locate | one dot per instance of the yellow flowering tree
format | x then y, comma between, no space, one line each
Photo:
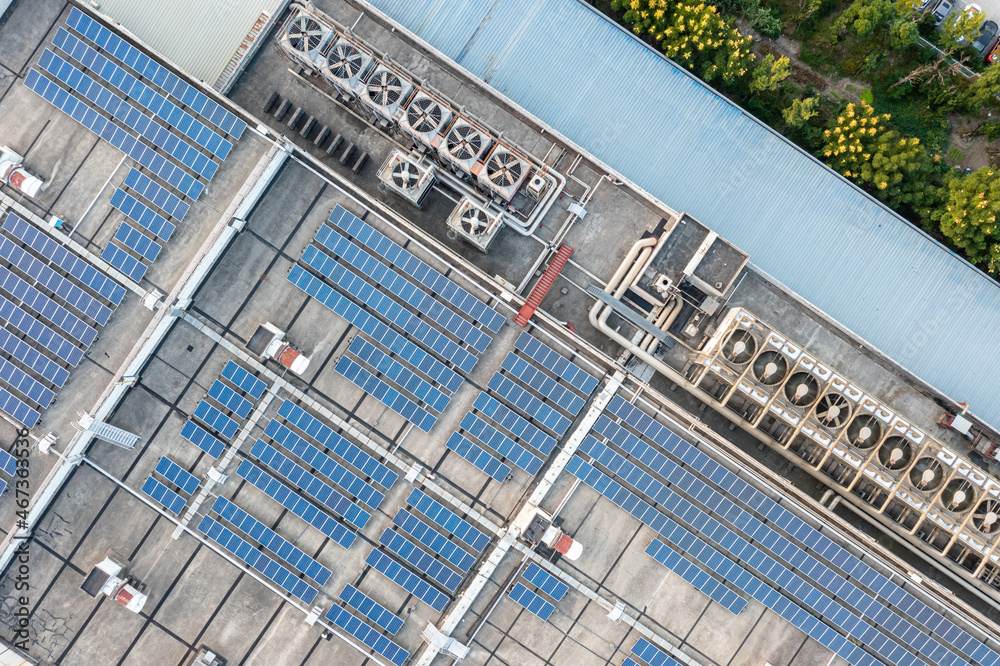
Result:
969,216
645,16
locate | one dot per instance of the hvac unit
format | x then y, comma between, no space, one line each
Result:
864,432
801,390
305,38
739,348
926,475
475,224
406,177
425,119
346,65
986,519
833,411
536,185
464,145
504,172
386,91
958,496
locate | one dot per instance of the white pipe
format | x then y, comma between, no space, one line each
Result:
663,322
613,282
623,286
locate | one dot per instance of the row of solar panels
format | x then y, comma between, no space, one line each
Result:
218,426
179,479
542,592
8,465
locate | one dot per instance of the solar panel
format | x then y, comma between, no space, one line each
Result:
287,498
177,475
64,259
17,410
434,540
170,500
362,291
443,517
312,486
134,240
264,565
325,435
651,654
561,367
367,635
500,443
420,559
46,307
410,582
243,380
475,455
24,384
323,464
371,609
130,267
144,215
156,73
39,332
375,329
216,420
701,581
404,378
160,197
57,284
8,463
230,399
385,394
271,541
531,601
541,383
514,423
529,404
201,438
436,282
403,289
544,581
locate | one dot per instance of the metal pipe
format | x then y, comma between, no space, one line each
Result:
613,282
664,321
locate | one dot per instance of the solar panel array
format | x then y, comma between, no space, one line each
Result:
177,475
229,401
367,635
385,394
407,580
651,654
143,214
443,517
371,609
8,465
52,304
434,540
423,391
545,582
164,496
478,457
699,579
542,592
161,197
531,601
419,559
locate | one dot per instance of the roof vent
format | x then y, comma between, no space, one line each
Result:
740,347
927,474
802,389
504,172
833,410
896,453
864,432
386,91
346,65
425,119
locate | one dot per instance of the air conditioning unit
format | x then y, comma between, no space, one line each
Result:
503,172
346,65
536,186
405,176
986,519
464,145
425,119
386,92
305,39
958,496
475,224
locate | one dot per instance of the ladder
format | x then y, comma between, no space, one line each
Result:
543,285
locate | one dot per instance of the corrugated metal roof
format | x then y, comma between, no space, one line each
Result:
199,36
813,231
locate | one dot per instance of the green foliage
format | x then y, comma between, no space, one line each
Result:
983,90
968,217
903,33
864,17
769,74
960,27
867,97
800,111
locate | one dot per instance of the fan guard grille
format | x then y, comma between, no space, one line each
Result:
895,453
474,221
504,169
304,34
770,368
405,175
987,516
927,474
464,142
833,410
345,61
424,115
740,347
802,389
958,496
864,432
385,88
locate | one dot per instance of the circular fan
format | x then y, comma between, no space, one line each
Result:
384,88
958,496
424,115
474,221
833,410
304,34
740,347
405,175
927,474
896,453
464,142
802,389
345,60
864,432
987,516
770,368
504,169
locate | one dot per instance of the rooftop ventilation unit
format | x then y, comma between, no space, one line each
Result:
346,65
504,172
425,119
927,474
475,224
407,177
986,519
833,411
304,39
386,91
464,145
896,453
802,389
864,432
958,496
739,348
770,368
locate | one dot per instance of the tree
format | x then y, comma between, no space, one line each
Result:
984,89
695,35
968,217
645,16
769,74
863,17
960,28
800,111
902,33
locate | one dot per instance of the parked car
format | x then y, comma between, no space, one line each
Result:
987,34
942,10
993,54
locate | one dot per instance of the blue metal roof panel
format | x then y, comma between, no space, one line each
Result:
801,223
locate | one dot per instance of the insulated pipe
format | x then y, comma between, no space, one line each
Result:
624,266
637,267
663,322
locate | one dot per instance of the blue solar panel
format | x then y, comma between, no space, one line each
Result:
38,362
548,358
290,500
421,559
39,332
271,541
403,289
216,420
23,383
323,464
176,474
201,438
325,435
156,73
410,582
8,463
452,523
230,399
514,424
144,215
64,259
134,240
500,443
270,569
367,635
160,197
243,380
47,308
310,485
437,283
170,500
475,455
433,539
398,373
19,411
385,394
130,267
137,149
371,609
545,582
541,383
690,572
651,654
534,603
529,404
